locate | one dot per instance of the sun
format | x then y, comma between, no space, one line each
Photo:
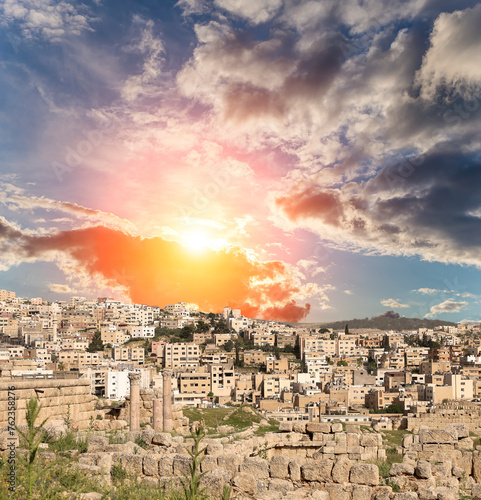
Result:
196,240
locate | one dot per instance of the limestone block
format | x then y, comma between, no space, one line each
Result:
364,474
166,465
407,440
132,464
229,462
323,427
477,466
104,462
460,430
257,467
245,482
150,464
436,436
320,495
355,449
423,469
476,490
162,439
382,493
449,492
208,463
466,443
181,465
282,486
285,427
438,448
402,469
341,469
295,470
352,439
96,444
443,469
279,467
369,439
317,470
466,462
381,454
214,449
353,428
407,495
340,437
299,427
147,435
336,427
214,482
458,472
338,492
361,492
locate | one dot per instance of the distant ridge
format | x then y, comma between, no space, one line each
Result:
387,321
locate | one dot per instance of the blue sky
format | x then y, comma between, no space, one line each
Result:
326,154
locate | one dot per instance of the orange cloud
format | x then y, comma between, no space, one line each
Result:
158,272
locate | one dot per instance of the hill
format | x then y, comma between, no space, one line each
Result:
388,321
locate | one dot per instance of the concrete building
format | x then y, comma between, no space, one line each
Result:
181,355
129,354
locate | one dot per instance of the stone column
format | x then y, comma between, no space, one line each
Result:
134,401
157,416
167,400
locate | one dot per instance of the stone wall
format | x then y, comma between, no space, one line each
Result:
55,396
437,418
437,464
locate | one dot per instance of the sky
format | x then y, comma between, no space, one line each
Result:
301,160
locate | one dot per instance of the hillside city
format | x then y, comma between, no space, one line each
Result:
289,373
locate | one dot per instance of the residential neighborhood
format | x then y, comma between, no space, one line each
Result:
288,372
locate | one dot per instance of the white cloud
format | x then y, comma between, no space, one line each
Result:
454,56
257,11
348,292
448,306
46,18
428,291
393,303
59,288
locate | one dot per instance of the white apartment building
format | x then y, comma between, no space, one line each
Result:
239,324
143,332
117,383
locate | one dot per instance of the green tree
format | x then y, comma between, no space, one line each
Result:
346,330
228,346
202,327
342,362
32,437
221,326
96,344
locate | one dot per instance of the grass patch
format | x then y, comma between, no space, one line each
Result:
391,439
239,417
242,418
273,426
211,416
67,442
